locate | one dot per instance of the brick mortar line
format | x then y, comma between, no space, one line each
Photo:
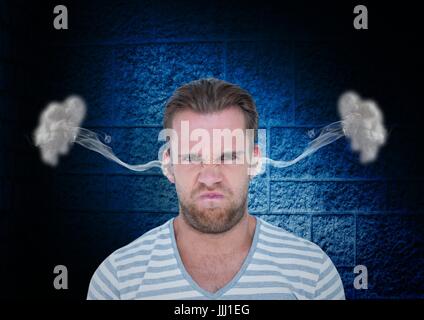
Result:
350,213
225,57
264,213
124,211
64,174
295,126
154,41
268,173
147,126
351,180
270,126
311,228
355,235
293,57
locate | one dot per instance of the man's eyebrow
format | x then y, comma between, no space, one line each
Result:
237,153
188,154
224,152
232,152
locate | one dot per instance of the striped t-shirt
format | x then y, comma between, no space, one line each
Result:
279,265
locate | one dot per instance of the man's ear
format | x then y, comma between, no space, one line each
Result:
256,166
167,167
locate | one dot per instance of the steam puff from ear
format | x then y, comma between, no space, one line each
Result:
362,123
58,128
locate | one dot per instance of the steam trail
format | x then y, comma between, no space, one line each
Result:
362,123
90,140
59,128
328,134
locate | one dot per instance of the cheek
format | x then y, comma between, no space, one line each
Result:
237,178
183,180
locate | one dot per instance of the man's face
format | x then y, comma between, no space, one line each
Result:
212,194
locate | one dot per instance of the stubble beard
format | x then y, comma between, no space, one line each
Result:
214,219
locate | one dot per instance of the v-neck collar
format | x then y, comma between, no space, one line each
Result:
232,282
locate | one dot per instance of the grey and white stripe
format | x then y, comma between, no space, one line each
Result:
279,265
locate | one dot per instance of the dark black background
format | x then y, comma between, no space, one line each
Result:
34,239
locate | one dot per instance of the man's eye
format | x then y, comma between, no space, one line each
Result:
228,157
192,158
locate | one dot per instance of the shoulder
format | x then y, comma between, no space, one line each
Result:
285,250
155,236
299,257
111,274
272,236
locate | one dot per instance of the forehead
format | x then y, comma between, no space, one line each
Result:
230,118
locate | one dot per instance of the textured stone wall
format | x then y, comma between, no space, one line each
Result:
126,60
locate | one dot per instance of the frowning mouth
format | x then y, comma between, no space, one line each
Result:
211,196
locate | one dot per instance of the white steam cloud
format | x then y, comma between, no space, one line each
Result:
58,128
361,122
363,125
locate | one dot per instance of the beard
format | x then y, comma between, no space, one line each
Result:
215,218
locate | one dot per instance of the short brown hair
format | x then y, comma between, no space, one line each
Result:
211,95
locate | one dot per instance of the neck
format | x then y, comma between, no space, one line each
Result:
238,238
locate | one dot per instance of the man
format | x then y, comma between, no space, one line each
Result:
214,249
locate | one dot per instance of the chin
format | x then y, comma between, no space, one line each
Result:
212,220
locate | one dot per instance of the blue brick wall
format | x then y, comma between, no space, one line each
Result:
125,60
128,67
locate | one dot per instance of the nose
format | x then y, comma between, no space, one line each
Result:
209,175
